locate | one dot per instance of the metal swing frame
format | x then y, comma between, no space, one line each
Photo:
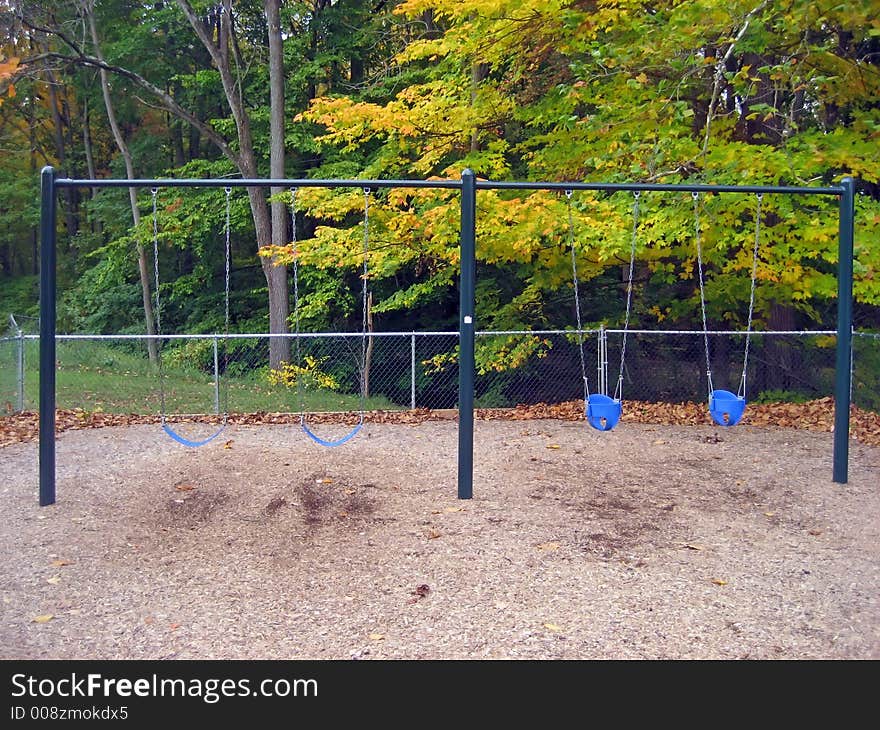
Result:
467,185
601,411
726,408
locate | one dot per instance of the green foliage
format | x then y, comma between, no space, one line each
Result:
782,396
866,372
614,90
19,296
619,91
306,375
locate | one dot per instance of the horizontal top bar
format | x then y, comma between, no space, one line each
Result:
444,184
238,182
642,187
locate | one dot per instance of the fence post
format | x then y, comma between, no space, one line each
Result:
412,371
20,370
216,378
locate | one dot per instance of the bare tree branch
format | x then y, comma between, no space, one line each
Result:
719,71
220,62
166,100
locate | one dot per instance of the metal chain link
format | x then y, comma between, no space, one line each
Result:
364,305
577,299
227,278
618,390
158,313
364,301
741,392
696,197
296,346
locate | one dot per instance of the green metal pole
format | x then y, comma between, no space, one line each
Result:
843,372
47,336
466,328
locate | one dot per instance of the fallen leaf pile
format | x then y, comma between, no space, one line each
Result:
815,415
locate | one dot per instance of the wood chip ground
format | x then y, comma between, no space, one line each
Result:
648,542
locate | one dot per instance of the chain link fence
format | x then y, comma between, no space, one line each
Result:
205,374
670,366
13,365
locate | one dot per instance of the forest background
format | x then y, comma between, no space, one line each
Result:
698,91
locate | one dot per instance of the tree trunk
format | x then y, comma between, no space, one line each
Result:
276,276
175,134
32,139
279,350
90,158
61,149
779,352
143,270
479,71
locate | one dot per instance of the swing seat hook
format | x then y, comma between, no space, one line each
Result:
726,408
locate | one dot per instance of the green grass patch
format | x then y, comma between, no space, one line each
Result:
94,376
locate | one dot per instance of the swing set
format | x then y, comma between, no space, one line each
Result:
364,313
601,410
298,360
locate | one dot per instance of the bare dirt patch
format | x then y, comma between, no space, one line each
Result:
683,541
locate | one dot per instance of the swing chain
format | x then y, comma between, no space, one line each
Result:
296,326
154,192
577,300
741,392
297,323
227,274
618,390
364,301
228,251
696,197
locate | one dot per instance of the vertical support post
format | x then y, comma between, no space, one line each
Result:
20,404
216,378
843,362
466,329
412,371
47,336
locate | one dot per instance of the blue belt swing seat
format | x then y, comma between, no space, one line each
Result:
602,411
727,408
166,427
296,317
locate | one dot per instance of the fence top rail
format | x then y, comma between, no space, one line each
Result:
660,187
480,184
452,333
753,333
